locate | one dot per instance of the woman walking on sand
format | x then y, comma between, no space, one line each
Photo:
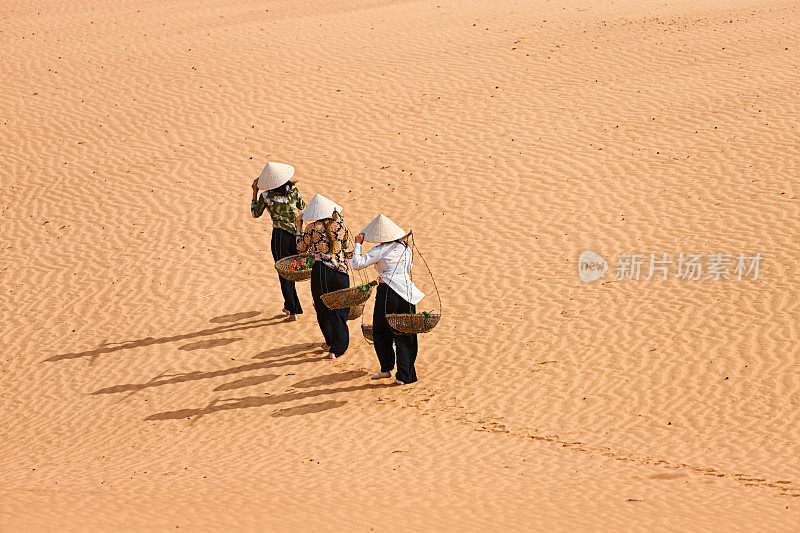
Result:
396,294
281,198
328,238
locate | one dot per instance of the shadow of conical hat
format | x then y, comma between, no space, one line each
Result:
274,175
320,207
381,229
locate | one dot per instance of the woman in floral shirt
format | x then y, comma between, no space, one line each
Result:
328,238
281,198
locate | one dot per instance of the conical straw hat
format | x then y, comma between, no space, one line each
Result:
320,207
274,175
381,229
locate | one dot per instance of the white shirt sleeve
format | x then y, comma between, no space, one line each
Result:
370,258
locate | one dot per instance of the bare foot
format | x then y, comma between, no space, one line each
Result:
398,382
291,318
286,312
332,355
381,375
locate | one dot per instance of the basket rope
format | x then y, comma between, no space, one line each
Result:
413,323
433,279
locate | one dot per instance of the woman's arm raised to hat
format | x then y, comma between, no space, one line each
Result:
369,258
300,237
343,234
258,205
300,204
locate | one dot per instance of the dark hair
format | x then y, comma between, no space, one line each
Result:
283,189
333,242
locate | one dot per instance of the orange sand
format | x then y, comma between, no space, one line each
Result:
147,385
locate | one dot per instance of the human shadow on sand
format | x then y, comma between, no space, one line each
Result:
149,341
249,381
329,379
209,343
234,317
295,354
231,404
308,408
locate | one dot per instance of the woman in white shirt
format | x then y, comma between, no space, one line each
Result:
396,294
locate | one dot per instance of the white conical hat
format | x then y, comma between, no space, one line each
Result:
274,175
381,229
320,207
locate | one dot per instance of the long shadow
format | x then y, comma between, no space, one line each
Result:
282,350
308,408
249,381
208,343
234,317
292,357
231,404
149,341
329,379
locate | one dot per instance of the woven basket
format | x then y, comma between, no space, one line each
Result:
348,297
355,312
366,329
282,266
412,323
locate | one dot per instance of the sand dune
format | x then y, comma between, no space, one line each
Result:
148,383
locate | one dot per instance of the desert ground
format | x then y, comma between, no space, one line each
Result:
149,384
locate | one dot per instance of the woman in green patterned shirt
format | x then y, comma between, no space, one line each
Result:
282,199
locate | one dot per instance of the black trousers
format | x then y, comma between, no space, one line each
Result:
332,322
389,302
283,245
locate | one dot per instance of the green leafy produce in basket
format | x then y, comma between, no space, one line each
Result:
365,287
426,314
